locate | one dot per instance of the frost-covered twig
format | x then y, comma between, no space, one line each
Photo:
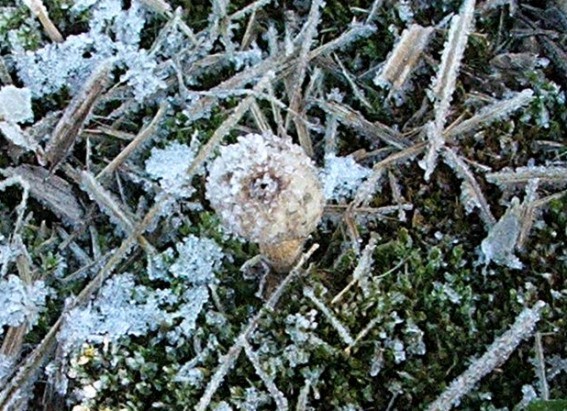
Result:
278,397
228,360
445,83
376,4
554,175
355,32
367,189
255,6
358,93
353,119
341,329
403,58
493,112
362,269
106,202
496,354
363,333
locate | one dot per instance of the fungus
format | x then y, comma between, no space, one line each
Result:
265,189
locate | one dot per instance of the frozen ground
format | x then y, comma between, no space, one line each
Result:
436,279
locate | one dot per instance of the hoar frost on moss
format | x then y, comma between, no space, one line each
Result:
169,166
20,302
124,307
114,34
342,176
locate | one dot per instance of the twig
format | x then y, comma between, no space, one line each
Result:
490,113
362,269
230,357
278,397
459,166
496,354
341,329
540,367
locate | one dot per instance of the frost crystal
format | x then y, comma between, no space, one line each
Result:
342,176
114,34
6,366
21,302
194,300
121,308
499,244
199,259
169,166
15,104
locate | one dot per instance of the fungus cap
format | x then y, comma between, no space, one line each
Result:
265,189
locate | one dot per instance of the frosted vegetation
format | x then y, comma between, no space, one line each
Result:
436,279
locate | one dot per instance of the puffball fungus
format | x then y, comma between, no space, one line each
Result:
265,189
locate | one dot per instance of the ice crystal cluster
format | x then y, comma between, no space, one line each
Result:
20,302
169,165
114,35
126,308
342,176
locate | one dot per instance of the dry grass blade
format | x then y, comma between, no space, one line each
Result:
296,79
368,188
523,175
226,126
403,59
38,9
353,119
69,126
52,191
112,208
490,113
362,269
143,136
473,188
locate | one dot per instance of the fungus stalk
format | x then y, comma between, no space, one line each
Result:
265,189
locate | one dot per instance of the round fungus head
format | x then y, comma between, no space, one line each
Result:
265,189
